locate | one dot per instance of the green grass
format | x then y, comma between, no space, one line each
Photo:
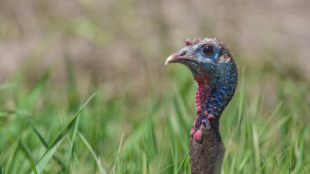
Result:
48,129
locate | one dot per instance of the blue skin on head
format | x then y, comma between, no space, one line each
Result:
215,73
213,63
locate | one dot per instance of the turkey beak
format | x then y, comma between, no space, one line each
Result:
172,59
179,58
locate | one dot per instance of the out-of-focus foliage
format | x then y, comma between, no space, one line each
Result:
56,54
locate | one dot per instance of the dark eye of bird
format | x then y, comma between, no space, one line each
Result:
208,50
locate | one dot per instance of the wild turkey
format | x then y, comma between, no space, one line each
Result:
216,73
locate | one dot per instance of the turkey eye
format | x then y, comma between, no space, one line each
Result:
208,50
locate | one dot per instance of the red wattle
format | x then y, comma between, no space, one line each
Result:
198,135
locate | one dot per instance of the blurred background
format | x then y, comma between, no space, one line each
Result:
108,40
55,54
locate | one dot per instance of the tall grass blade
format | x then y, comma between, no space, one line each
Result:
181,104
0,165
56,142
65,130
30,158
300,166
46,157
26,149
117,158
180,124
60,135
42,139
256,147
169,166
241,99
8,165
270,118
243,162
144,161
101,169
72,142
178,171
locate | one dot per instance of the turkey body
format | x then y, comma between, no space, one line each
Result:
216,73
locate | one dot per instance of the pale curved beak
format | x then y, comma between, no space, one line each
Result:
173,58
182,58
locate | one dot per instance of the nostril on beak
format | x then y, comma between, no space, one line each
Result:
183,53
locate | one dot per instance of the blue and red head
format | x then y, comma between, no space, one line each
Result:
204,56
216,73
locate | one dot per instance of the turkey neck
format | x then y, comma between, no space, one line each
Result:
207,153
212,96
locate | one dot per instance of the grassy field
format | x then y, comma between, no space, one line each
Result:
88,91
53,129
